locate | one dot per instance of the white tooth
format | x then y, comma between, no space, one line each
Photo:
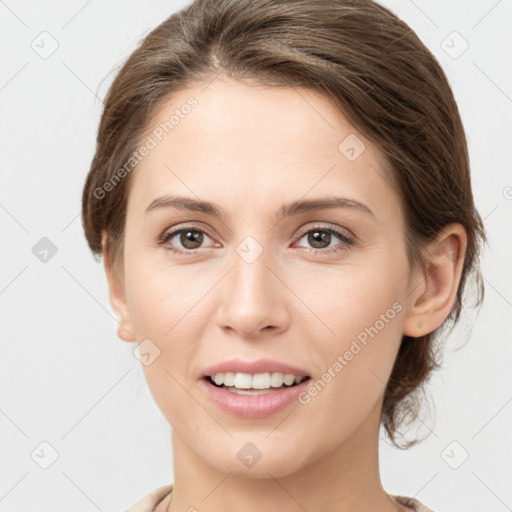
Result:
276,379
229,379
243,380
289,379
261,381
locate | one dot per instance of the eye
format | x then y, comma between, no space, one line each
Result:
189,238
321,238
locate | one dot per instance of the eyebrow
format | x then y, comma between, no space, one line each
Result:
289,209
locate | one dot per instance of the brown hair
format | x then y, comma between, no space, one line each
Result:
376,71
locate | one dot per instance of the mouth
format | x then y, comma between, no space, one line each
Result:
254,384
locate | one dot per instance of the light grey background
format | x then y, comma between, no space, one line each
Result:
67,379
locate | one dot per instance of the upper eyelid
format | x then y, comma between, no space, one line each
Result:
328,227
302,231
194,227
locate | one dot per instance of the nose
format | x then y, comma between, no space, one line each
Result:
253,300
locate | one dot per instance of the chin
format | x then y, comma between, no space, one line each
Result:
253,456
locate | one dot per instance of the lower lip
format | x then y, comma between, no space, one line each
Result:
253,406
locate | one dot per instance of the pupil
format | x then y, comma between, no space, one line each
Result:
316,238
189,238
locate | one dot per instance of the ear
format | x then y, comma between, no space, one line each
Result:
117,297
432,292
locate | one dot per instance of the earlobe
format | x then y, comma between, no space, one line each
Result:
433,291
117,297
124,334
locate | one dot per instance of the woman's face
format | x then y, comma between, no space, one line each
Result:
317,292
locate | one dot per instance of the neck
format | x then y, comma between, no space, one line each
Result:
344,479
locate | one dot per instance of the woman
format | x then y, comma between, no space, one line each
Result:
281,195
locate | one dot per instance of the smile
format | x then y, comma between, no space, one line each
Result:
253,396
254,384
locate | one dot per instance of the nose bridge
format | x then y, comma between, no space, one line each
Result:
250,281
251,297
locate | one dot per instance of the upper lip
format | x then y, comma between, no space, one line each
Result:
253,367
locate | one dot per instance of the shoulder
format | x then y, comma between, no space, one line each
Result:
156,501
412,503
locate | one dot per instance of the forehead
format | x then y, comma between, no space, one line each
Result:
254,146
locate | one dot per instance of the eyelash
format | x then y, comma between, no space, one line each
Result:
167,235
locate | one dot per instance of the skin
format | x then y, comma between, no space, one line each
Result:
291,304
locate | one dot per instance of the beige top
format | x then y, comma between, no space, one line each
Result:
158,501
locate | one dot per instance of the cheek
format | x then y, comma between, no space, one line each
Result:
361,312
161,305
159,296
350,298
